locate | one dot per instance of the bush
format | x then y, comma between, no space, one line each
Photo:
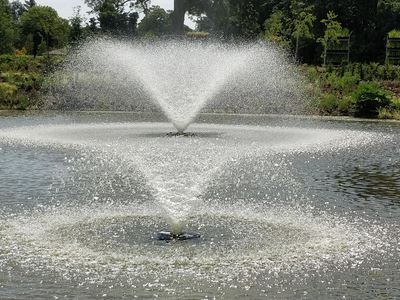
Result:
368,99
395,33
395,103
24,81
345,106
8,93
388,113
328,104
7,90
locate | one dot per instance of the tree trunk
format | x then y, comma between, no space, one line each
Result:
178,17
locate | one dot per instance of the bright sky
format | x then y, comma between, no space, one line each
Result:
65,7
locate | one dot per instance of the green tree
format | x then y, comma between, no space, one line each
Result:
113,17
7,33
76,31
17,9
275,28
91,27
303,22
155,23
29,4
41,24
333,30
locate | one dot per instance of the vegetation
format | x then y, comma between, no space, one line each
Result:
307,28
394,34
21,78
358,90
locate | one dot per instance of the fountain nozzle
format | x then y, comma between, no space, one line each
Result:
170,236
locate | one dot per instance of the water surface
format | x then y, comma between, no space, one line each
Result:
287,207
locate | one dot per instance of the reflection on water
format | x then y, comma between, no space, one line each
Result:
374,183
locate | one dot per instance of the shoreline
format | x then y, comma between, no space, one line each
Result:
5,112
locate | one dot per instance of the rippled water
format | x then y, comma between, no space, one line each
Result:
286,207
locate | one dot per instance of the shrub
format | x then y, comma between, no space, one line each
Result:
388,113
368,99
328,104
7,90
345,105
394,33
395,104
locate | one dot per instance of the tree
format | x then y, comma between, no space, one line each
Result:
96,4
7,34
156,22
29,4
41,24
76,31
113,18
17,9
247,20
274,28
91,27
303,21
333,30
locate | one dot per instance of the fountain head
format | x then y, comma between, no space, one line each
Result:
170,236
184,134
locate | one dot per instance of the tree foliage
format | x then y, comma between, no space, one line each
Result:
156,23
275,29
76,30
299,25
333,30
42,29
303,22
113,17
7,34
29,4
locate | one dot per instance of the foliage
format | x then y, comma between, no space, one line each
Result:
76,31
337,90
17,9
303,22
333,30
389,113
328,104
394,34
368,99
113,17
7,33
21,78
155,23
42,24
29,4
274,29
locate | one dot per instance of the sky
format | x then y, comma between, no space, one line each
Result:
65,8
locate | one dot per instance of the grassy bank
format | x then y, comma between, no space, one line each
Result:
357,90
21,78
360,90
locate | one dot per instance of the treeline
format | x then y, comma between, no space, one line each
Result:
306,27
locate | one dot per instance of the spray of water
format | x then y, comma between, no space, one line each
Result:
180,78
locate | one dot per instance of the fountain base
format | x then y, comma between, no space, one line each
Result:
178,133
169,236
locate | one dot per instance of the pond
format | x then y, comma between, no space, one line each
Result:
286,207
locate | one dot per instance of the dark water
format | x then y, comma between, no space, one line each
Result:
78,224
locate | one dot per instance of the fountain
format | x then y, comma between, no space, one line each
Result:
102,204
